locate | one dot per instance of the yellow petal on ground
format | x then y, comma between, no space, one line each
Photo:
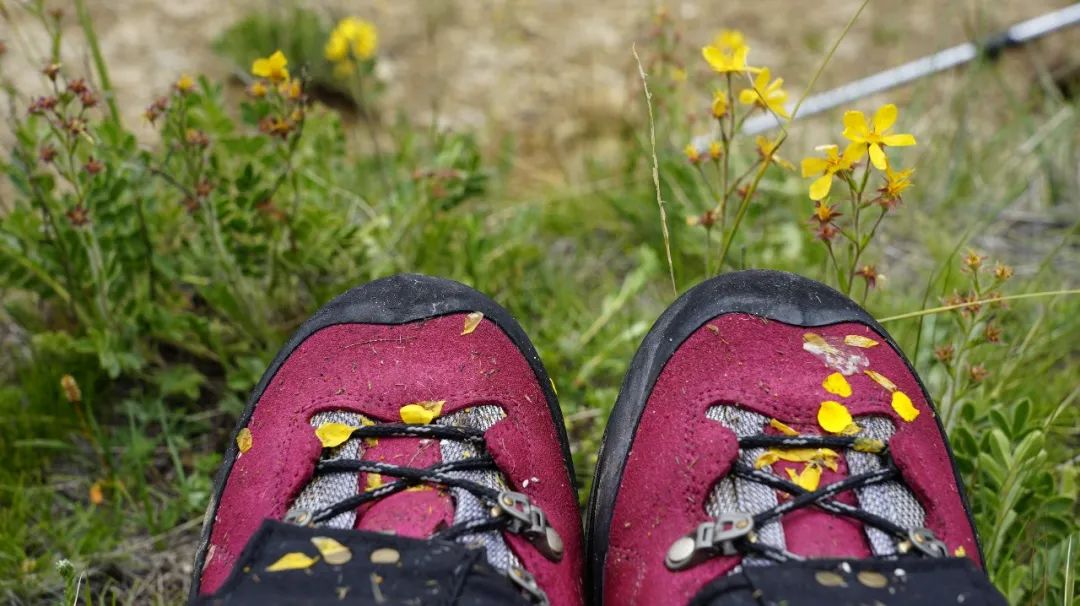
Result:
421,413
373,481
334,434
860,341
332,551
833,416
782,428
471,322
295,560
881,380
808,479
244,440
836,384
903,406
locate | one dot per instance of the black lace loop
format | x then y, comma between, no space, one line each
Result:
733,532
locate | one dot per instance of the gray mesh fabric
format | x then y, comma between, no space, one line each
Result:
325,490
890,500
734,494
466,506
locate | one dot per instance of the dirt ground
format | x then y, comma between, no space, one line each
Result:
553,74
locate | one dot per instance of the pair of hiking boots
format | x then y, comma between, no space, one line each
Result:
770,445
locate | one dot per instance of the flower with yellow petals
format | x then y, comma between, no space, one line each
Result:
826,167
728,59
692,153
766,95
719,104
896,181
857,130
715,150
729,39
257,89
272,68
354,35
766,148
185,84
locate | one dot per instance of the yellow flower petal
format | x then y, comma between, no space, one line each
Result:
860,341
820,187
833,417
471,322
885,117
960,552
825,456
813,166
243,440
808,479
837,384
852,154
903,406
900,140
782,428
373,481
748,96
855,127
877,156
421,413
295,560
881,380
332,552
334,434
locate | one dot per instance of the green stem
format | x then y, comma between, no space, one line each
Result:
99,60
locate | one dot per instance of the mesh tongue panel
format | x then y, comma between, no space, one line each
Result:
735,494
325,490
890,500
466,506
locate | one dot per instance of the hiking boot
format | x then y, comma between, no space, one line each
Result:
771,444
405,446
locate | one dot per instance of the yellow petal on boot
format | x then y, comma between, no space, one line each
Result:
334,434
244,440
903,406
836,384
421,413
808,479
881,380
471,322
295,560
833,417
859,341
782,428
332,552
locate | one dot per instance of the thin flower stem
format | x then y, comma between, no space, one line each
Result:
825,62
944,308
656,170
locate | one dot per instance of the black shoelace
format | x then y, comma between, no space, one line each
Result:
733,532
511,511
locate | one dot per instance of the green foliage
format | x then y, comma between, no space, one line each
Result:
162,275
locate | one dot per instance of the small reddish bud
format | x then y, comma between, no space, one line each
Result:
978,373
78,215
93,167
944,354
47,153
51,71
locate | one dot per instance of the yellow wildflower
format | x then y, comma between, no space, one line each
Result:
728,60
715,150
272,68
257,89
184,84
729,39
766,95
857,130
826,167
767,150
692,153
896,181
355,35
719,104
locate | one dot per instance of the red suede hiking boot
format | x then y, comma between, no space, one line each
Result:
771,444
405,445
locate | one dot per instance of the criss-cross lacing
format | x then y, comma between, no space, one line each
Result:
511,511
732,533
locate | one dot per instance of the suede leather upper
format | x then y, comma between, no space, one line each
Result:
374,370
678,455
